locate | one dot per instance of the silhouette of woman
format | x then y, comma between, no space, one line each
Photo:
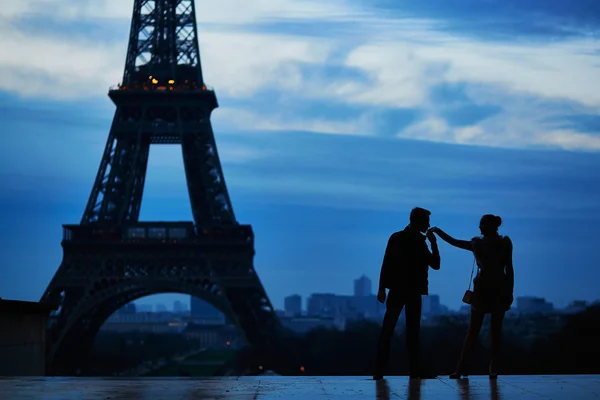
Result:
492,287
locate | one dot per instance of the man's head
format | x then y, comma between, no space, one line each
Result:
419,219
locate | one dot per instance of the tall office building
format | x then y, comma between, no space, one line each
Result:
324,305
430,305
293,305
362,287
179,307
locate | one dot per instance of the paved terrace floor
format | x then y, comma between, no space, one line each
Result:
571,387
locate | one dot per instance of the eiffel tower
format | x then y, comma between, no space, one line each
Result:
111,258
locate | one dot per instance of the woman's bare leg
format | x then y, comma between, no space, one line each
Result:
475,323
496,336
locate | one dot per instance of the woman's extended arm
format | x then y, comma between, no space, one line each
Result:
462,244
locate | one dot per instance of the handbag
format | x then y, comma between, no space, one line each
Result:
468,296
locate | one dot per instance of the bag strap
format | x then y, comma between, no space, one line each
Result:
472,270
473,267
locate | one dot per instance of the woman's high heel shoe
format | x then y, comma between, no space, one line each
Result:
458,374
493,373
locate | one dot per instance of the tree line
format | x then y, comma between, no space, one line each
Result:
573,349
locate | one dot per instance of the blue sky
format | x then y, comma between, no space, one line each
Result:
335,119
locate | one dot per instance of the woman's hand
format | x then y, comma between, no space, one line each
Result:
434,229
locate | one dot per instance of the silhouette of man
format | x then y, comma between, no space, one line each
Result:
405,273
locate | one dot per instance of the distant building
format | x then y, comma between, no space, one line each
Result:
431,305
327,305
127,309
179,307
576,307
293,305
202,309
306,324
160,307
140,317
362,287
143,308
323,305
533,305
215,336
143,322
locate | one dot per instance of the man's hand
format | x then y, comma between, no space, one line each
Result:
381,295
431,236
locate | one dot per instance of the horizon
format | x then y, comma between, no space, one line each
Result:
168,299
335,120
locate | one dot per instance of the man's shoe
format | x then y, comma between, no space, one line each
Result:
377,377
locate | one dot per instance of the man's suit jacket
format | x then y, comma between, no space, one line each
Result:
406,262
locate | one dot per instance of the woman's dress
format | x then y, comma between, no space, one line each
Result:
492,290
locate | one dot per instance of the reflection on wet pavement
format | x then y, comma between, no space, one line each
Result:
331,387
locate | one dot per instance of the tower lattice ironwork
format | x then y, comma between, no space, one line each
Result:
111,258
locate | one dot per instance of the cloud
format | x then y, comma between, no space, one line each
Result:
402,62
506,19
240,119
43,66
241,64
498,134
208,11
382,60
299,168
571,140
403,69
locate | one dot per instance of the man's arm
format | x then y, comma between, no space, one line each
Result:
389,260
433,256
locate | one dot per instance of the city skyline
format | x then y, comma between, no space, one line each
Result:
329,132
151,302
